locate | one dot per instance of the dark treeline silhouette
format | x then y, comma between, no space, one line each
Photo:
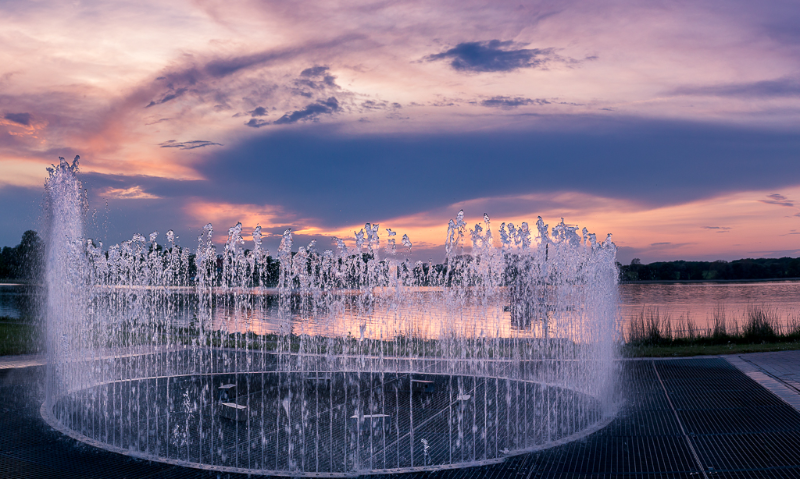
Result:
740,269
22,262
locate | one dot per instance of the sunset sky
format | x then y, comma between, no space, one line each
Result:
673,125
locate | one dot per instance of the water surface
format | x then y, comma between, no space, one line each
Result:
700,300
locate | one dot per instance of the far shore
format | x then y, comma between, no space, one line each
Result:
764,280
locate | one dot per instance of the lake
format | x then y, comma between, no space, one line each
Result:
700,300
673,300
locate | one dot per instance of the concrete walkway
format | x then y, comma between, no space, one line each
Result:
22,361
779,372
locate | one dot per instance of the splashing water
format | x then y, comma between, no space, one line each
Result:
334,363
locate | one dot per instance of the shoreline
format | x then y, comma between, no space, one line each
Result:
693,281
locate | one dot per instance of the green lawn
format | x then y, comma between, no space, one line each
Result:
18,339
660,351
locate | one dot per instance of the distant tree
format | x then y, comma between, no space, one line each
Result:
24,261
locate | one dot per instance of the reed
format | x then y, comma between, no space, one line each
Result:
759,324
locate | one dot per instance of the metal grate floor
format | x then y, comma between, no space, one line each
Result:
691,418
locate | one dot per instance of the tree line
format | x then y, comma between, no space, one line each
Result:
740,269
22,262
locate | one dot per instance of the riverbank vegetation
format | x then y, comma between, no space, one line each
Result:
760,329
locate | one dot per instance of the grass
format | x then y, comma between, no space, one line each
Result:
18,338
760,330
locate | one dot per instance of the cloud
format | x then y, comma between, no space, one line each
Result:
154,122
226,66
380,105
256,123
784,87
187,145
718,229
669,245
222,67
25,208
492,56
562,152
20,118
168,97
507,103
258,111
314,71
317,79
132,193
310,112
777,199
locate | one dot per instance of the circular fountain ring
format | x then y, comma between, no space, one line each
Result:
247,422
340,362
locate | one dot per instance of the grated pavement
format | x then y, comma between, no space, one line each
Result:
681,418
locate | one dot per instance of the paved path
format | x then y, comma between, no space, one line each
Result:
27,360
779,372
22,361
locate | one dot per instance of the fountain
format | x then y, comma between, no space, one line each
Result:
326,363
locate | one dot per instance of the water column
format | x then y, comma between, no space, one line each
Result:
66,281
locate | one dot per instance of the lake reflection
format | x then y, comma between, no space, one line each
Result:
18,301
676,300
700,300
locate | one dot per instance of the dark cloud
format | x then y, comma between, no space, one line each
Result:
316,71
492,56
317,79
348,178
380,105
663,244
256,123
373,105
777,199
781,253
20,118
222,67
649,162
168,97
507,103
784,87
258,111
310,112
226,66
718,229
22,210
187,145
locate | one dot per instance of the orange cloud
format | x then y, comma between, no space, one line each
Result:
225,215
132,193
725,227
